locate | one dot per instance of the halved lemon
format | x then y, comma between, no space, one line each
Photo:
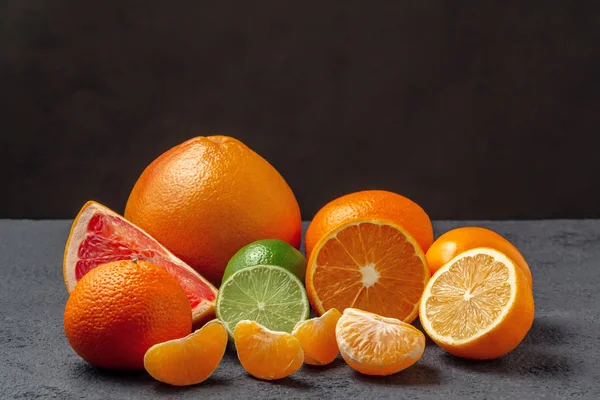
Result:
478,305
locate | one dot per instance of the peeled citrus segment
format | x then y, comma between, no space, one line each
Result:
317,337
99,235
189,360
372,265
376,345
479,305
267,354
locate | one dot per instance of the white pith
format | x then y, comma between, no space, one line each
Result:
370,276
498,257
77,236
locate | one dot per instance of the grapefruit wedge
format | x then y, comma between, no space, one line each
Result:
100,235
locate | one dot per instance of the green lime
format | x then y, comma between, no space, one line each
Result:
267,294
267,252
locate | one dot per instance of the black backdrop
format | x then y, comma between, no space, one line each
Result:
474,109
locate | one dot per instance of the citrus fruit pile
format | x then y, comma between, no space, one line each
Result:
212,213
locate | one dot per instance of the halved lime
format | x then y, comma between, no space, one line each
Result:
267,294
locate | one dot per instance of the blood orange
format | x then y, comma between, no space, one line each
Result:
99,235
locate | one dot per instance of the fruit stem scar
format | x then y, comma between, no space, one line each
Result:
370,276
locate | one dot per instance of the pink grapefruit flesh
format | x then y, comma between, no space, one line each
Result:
99,235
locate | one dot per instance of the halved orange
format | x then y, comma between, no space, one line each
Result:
369,264
267,354
317,337
189,360
376,345
478,305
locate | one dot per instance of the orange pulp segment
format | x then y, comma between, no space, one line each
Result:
372,265
376,345
267,354
189,360
317,337
478,305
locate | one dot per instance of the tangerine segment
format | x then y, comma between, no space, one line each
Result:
267,354
317,337
373,265
189,360
479,305
376,345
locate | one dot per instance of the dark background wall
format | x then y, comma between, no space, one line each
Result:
473,109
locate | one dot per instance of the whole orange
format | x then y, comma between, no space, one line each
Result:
459,240
119,310
374,204
210,196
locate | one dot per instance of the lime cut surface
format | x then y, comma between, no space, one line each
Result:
269,295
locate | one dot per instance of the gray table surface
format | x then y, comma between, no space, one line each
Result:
559,358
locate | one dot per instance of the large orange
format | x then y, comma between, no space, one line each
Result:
210,196
454,242
117,311
378,204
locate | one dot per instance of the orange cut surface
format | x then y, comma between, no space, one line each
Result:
478,305
454,242
266,354
317,337
372,265
190,360
375,345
